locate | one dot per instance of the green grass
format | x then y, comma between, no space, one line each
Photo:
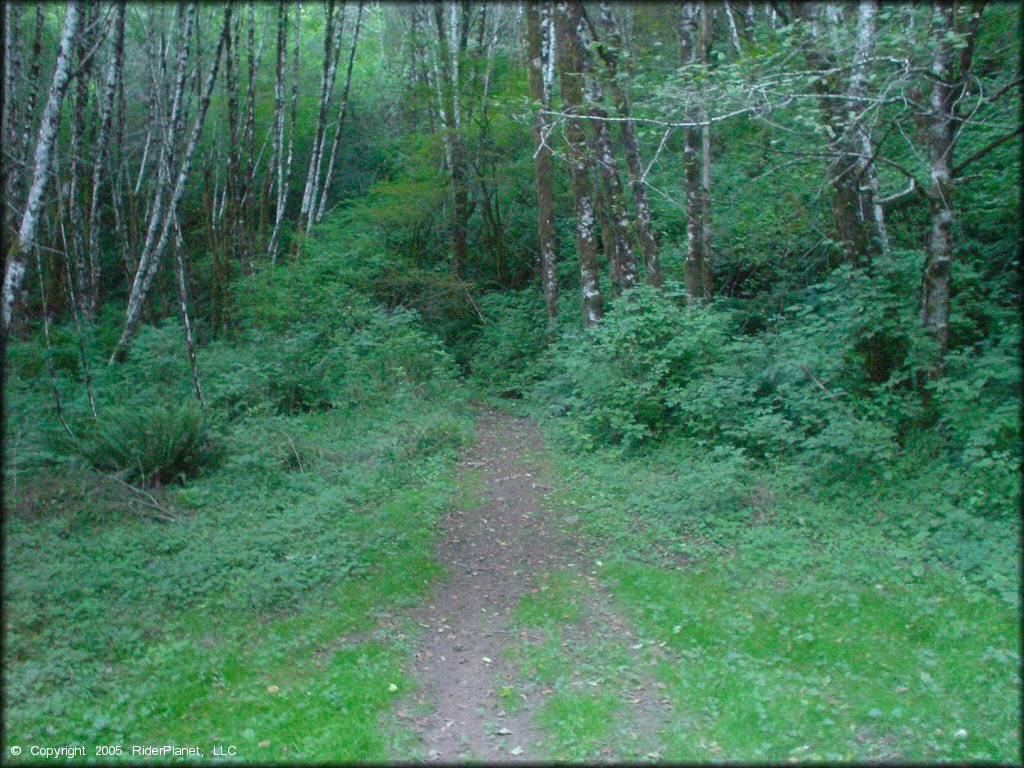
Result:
256,622
579,723
555,597
765,672
795,621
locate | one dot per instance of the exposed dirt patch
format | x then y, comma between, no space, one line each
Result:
494,546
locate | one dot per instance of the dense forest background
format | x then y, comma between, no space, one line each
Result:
755,265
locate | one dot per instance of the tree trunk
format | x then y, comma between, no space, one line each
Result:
618,220
186,325
146,272
693,47
849,226
113,78
867,174
451,45
340,123
332,49
947,88
15,271
570,60
10,161
634,167
540,54
277,145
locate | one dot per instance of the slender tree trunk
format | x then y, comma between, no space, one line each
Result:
634,166
568,20
248,202
947,88
277,146
734,34
114,77
340,123
76,164
867,174
451,45
618,219
11,162
540,53
705,151
693,42
146,272
332,49
73,303
186,325
49,349
843,167
28,116
15,271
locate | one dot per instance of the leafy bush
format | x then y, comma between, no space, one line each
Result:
621,379
155,445
510,339
315,342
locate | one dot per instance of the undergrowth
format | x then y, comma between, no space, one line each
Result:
304,495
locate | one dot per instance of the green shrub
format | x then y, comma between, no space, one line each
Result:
152,445
510,339
621,379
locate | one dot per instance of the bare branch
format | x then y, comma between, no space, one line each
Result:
986,149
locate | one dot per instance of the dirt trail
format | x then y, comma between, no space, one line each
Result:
492,546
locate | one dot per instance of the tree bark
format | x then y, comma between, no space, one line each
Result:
15,271
570,60
11,161
867,174
696,141
186,325
146,271
634,167
451,46
113,78
618,220
340,123
332,49
277,145
947,88
540,53
850,226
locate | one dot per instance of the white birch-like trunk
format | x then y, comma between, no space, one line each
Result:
15,271
340,123
145,274
332,49
867,11
114,73
277,146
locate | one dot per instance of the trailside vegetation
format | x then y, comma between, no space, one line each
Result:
755,268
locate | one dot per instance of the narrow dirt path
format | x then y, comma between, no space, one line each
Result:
493,546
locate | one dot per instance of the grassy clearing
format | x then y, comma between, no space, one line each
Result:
255,622
588,679
793,629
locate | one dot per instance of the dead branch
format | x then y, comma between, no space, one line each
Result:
163,513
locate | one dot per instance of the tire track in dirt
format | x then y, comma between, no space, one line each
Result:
493,547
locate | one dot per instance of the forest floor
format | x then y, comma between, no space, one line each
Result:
501,546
